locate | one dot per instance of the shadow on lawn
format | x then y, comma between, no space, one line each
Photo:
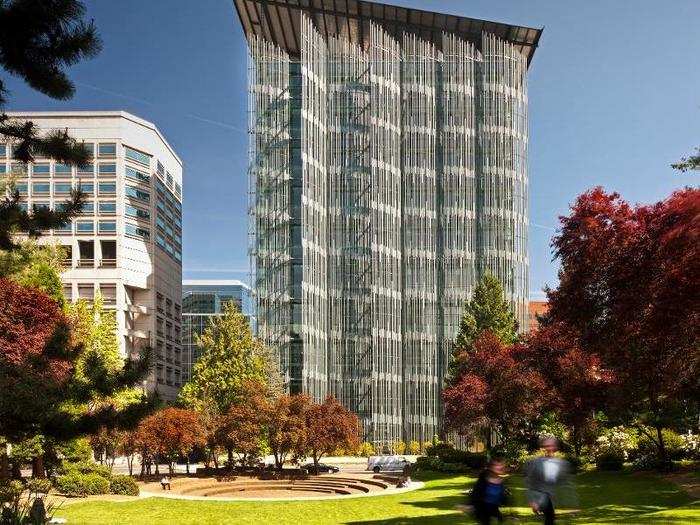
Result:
602,497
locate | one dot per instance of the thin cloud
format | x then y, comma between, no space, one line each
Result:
543,227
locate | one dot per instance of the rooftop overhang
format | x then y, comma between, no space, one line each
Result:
278,21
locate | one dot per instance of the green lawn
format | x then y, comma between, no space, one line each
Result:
603,498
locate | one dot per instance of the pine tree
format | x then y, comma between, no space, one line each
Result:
487,310
230,357
38,40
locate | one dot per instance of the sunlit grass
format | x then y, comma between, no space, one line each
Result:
602,498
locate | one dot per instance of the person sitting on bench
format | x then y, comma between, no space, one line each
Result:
165,482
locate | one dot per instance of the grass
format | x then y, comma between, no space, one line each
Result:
624,498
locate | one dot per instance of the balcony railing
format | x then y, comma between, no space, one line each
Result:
108,263
86,263
67,262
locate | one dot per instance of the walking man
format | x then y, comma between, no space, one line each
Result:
544,476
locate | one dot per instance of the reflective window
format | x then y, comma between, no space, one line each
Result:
107,187
3,150
132,229
3,168
88,207
138,194
107,169
41,169
41,206
137,175
107,226
62,168
85,226
136,155
108,149
86,187
88,169
107,208
41,187
62,187
133,211
21,187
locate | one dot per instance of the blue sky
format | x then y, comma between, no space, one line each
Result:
614,99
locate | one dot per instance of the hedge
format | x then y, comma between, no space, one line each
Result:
124,485
75,484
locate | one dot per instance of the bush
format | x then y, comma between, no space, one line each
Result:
87,467
413,448
443,457
399,447
691,445
124,485
75,484
39,485
673,442
609,461
652,462
365,450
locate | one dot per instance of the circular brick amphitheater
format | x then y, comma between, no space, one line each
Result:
244,487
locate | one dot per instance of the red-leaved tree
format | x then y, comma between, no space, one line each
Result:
36,359
171,432
285,426
576,383
329,425
242,427
492,387
629,286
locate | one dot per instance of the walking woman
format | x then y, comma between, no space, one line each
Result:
490,493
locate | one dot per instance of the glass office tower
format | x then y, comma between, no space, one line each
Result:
388,172
202,300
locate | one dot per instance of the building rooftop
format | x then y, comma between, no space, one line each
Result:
64,114
278,21
214,282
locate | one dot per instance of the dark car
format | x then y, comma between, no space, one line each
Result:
321,469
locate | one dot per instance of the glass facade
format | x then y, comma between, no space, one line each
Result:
386,180
201,301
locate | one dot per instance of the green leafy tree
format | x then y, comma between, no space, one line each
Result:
35,266
38,41
689,163
231,356
487,310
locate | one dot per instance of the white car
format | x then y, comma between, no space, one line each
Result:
386,463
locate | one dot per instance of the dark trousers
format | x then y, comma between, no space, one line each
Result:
485,511
548,512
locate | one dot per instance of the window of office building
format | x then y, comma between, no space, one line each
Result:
90,148
3,150
137,231
88,169
86,291
62,169
107,169
86,187
62,187
136,155
19,168
137,175
136,193
107,149
41,187
21,187
133,211
107,188
85,226
88,207
108,208
41,170
107,227
40,205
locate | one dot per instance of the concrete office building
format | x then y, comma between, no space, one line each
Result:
203,299
388,173
127,243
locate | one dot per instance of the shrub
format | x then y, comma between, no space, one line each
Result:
652,462
75,484
399,447
691,445
443,457
124,485
673,442
87,467
609,460
365,450
39,485
413,448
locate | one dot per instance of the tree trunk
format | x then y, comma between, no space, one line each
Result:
157,472
130,464
171,467
4,463
187,463
38,467
216,459
229,453
662,447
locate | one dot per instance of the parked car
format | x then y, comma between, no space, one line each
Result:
321,469
386,463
